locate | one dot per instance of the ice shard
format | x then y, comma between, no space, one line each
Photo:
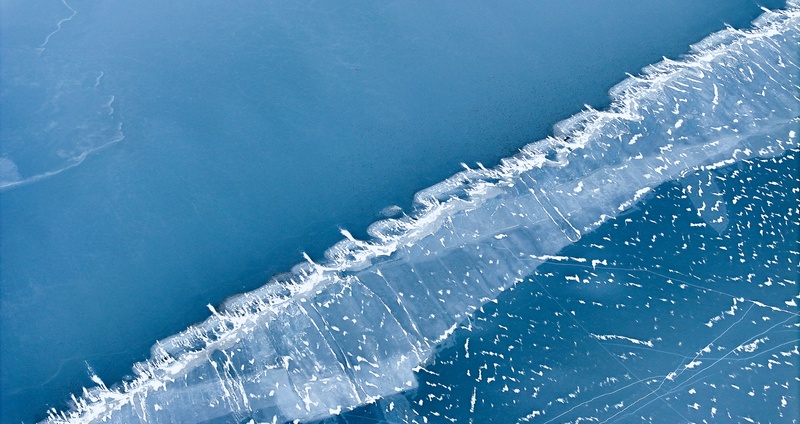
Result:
329,337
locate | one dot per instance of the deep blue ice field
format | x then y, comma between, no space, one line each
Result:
160,157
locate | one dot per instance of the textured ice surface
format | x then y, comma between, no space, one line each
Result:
654,316
52,128
327,338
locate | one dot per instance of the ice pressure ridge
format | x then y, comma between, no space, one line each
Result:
330,337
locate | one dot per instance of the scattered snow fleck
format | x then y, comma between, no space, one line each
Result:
616,337
693,364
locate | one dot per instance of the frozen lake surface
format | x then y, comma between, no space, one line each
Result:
160,158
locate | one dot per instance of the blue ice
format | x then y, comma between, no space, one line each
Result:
330,337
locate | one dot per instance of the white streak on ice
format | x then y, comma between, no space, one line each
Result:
58,26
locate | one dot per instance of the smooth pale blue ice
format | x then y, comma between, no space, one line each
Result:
226,172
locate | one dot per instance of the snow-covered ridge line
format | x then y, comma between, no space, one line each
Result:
299,347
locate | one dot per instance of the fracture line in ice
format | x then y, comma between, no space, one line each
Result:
58,25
